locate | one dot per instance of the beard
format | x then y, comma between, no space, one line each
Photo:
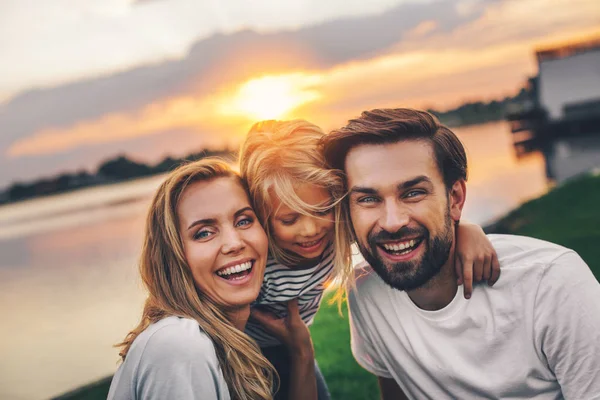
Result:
410,275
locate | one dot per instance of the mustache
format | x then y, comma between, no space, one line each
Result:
400,234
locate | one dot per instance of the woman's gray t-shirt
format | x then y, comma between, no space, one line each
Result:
171,359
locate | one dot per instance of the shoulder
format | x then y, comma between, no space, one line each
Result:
513,249
525,260
175,339
521,255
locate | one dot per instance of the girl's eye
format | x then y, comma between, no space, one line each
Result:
289,221
246,221
324,213
203,234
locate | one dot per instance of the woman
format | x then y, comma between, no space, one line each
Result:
203,261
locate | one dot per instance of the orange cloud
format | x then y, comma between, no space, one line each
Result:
487,58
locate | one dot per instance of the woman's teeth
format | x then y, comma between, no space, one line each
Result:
235,269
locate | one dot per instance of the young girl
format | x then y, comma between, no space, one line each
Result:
293,193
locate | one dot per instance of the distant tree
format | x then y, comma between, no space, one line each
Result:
122,168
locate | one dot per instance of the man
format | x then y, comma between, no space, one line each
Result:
535,334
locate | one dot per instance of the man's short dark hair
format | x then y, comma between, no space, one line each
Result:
392,125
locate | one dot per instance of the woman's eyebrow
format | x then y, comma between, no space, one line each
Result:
242,210
207,221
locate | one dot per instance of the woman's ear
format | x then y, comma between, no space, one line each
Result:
456,199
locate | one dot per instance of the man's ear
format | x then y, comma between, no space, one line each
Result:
456,199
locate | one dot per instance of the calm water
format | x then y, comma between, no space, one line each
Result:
69,287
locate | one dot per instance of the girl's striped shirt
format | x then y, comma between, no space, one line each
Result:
282,284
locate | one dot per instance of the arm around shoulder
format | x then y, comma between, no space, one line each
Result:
179,363
567,325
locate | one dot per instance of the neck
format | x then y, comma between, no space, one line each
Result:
239,317
440,290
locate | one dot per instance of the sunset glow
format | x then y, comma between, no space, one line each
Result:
271,97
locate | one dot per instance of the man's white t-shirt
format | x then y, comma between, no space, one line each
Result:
534,335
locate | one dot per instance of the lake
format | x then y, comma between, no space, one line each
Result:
69,286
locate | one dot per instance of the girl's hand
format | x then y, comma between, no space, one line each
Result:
475,257
291,330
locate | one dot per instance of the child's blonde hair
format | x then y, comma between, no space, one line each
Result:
275,158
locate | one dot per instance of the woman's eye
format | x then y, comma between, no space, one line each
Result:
202,234
245,222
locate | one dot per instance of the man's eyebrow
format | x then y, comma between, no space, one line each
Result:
209,221
412,182
363,190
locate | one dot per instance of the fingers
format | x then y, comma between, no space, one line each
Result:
495,274
467,268
477,269
459,270
487,268
292,307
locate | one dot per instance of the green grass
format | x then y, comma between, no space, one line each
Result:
331,337
569,215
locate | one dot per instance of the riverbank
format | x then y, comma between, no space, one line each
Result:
568,215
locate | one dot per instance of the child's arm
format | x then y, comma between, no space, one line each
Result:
475,257
294,333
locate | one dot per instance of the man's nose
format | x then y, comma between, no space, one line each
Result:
395,217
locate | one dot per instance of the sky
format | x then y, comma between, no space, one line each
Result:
82,81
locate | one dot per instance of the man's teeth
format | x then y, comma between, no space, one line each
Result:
234,269
399,246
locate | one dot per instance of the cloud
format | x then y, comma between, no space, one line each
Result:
417,54
218,60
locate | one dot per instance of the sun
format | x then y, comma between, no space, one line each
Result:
271,97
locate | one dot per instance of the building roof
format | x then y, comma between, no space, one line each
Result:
567,50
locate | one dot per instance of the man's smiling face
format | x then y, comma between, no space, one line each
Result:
400,211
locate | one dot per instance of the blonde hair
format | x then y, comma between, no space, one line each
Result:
275,158
172,290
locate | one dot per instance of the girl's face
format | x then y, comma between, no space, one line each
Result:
224,244
306,236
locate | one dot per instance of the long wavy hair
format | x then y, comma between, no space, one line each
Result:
172,290
275,158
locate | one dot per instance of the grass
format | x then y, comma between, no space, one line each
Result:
569,215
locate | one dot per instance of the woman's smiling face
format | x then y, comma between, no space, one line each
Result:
224,245
306,236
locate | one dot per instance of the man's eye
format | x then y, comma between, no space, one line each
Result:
367,200
414,193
